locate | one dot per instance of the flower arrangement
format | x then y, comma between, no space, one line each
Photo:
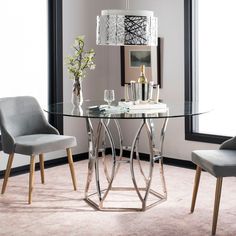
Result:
77,66
81,61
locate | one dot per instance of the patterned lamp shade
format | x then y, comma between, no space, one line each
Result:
127,27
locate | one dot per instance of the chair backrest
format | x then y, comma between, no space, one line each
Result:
229,144
20,116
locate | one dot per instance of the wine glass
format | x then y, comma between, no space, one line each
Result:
109,96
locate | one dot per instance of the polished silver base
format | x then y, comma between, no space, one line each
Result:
155,154
160,198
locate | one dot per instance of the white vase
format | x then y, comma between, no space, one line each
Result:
77,93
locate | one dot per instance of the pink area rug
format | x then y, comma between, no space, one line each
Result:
58,210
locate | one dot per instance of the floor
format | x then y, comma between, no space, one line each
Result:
58,210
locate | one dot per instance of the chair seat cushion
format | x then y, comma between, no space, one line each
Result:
220,163
42,143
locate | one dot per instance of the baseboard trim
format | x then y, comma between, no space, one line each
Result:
83,156
47,164
167,160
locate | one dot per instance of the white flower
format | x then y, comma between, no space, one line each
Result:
92,67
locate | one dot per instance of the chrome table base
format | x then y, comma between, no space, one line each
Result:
155,154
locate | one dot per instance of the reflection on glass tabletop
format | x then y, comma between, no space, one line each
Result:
98,109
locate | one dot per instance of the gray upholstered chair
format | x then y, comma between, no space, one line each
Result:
220,163
25,131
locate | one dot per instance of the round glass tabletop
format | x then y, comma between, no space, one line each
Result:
98,109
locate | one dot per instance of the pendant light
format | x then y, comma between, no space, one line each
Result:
127,27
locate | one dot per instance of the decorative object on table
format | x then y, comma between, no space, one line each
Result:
109,96
140,105
77,65
142,77
133,91
136,92
157,94
127,27
126,93
77,110
143,84
132,57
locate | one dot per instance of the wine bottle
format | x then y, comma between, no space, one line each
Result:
142,80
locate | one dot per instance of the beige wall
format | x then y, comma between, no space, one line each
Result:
80,18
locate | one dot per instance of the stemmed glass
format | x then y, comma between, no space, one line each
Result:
109,96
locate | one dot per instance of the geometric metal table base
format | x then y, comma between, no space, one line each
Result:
155,154
160,198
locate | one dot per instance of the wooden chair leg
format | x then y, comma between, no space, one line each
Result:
31,178
217,203
72,170
195,188
7,172
41,162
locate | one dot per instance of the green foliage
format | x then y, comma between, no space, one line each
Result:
81,60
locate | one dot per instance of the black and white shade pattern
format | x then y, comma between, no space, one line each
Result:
127,30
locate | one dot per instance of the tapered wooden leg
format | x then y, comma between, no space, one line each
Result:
195,188
7,172
41,162
72,170
217,203
31,178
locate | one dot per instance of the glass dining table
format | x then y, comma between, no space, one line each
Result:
108,119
